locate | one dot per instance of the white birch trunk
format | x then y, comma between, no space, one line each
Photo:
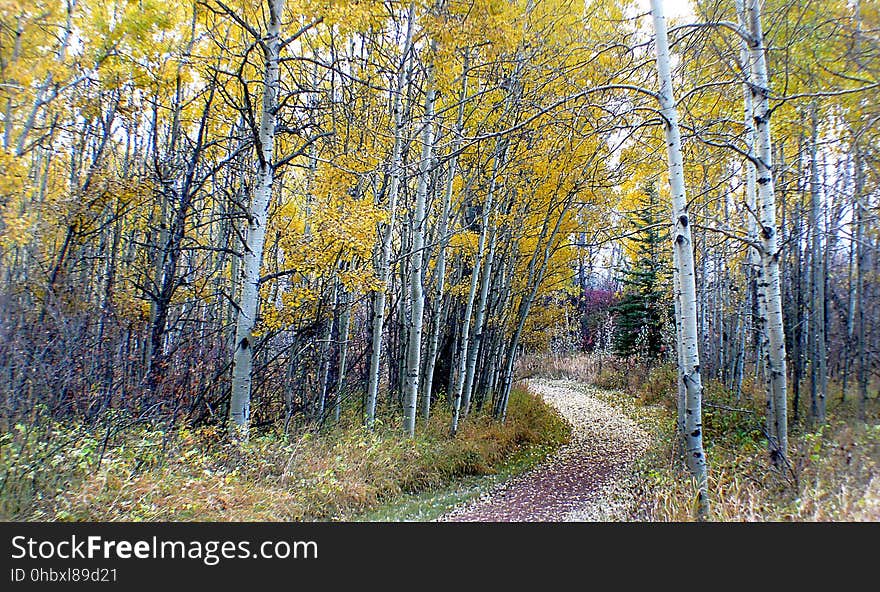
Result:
689,371
242,362
440,269
753,260
681,395
775,335
417,295
464,341
480,315
479,320
344,323
465,346
383,265
324,366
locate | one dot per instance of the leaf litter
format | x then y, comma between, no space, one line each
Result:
588,480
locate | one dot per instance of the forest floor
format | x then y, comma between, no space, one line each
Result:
589,479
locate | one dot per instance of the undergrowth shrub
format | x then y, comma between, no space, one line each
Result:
144,473
832,474
603,370
653,380
659,386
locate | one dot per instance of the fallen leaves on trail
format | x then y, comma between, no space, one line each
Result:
586,480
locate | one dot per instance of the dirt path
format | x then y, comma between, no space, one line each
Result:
586,480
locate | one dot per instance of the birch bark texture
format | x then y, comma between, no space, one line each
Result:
757,284
770,251
443,233
689,370
461,398
258,213
417,293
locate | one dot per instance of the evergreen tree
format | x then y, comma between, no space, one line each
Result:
644,304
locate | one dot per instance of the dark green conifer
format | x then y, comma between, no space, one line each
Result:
642,311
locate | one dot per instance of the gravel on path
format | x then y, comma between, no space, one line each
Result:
588,479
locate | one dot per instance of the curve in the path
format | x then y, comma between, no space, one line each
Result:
583,481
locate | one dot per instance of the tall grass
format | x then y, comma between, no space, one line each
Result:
146,474
833,472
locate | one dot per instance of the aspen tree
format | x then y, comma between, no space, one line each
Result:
689,371
443,234
461,396
755,269
258,213
395,174
417,295
770,248
818,355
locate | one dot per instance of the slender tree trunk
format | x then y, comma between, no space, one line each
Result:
464,341
861,264
479,324
344,328
384,263
689,372
681,398
798,332
849,342
324,365
417,295
467,360
756,271
258,214
440,269
770,248
818,363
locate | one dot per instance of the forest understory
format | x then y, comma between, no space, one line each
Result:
834,473
116,472
351,474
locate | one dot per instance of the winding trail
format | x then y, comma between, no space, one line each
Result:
585,480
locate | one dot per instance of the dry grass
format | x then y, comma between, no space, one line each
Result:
195,475
834,473
834,478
